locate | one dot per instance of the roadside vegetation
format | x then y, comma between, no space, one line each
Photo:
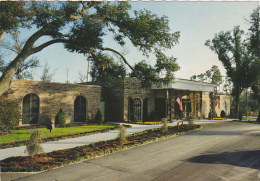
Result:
20,136
46,161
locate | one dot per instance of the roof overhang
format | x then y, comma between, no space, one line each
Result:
184,84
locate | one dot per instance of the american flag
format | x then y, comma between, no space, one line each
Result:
218,101
178,100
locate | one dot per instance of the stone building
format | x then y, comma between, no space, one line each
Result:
128,97
39,102
120,101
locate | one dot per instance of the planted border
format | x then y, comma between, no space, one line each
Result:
64,157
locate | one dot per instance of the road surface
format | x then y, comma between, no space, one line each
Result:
222,151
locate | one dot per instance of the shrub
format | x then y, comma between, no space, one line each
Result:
33,145
133,118
223,114
214,115
9,116
60,118
122,133
99,117
164,127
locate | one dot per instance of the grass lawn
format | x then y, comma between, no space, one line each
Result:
59,158
21,135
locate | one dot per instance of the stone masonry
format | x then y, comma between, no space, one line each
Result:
53,96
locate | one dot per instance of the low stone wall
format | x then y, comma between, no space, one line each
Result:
53,96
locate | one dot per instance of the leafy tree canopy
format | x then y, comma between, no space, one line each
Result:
81,27
212,75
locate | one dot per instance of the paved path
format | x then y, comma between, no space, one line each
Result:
85,140
226,151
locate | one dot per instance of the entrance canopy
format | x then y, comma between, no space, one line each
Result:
184,84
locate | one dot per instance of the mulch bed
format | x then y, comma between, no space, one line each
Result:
63,157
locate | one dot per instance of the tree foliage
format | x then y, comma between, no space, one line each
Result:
19,15
47,76
81,27
254,42
16,46
233,52
9,115
212,75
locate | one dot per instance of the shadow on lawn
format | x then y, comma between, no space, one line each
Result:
247,158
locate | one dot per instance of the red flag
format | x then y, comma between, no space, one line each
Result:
178,100
218,101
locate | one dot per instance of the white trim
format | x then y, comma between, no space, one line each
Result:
183,84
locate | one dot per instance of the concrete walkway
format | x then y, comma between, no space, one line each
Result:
86,140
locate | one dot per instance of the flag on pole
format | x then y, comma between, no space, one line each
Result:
218,101
178,100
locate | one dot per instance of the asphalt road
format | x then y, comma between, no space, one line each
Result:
222,151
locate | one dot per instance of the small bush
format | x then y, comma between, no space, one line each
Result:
164,127
99,117
122,133
191,120
133,118
60,118
33,145
9,116
223,114
212,114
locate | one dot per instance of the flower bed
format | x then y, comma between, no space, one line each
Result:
219,118
158,122
63,157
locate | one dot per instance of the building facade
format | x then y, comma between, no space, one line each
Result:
128,97
120,101
39,102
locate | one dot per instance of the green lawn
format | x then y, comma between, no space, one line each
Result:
20,135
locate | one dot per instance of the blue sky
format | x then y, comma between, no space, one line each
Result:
196,21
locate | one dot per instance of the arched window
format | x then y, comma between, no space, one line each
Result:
138,108
30,109
80,108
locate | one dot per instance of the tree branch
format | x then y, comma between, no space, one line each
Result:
114,51
39,48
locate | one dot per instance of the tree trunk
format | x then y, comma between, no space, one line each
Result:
5,79
236,107
2,34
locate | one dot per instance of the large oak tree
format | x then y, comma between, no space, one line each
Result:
81,27
233,52
254,47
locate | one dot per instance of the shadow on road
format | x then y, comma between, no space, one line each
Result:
250,159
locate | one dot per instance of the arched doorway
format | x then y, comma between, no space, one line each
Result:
145,110
80,107
31,109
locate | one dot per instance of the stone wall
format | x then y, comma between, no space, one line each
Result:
116,96
224,105
54,96
205,105
133,89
